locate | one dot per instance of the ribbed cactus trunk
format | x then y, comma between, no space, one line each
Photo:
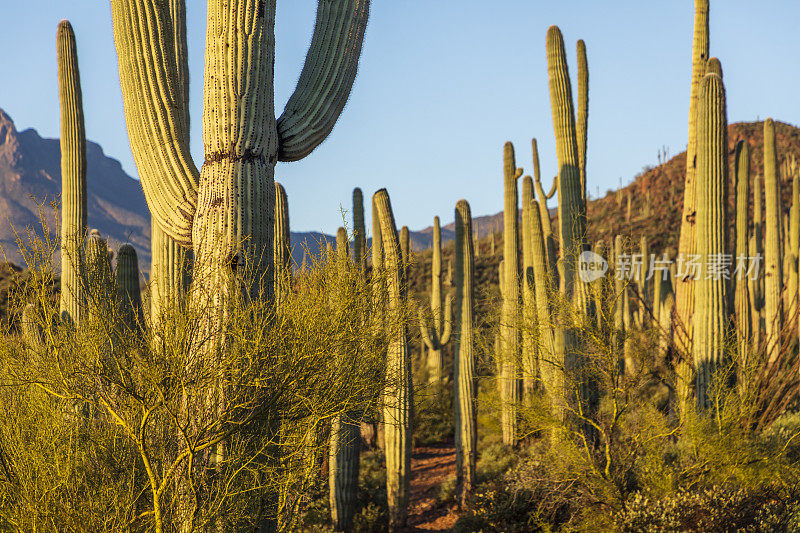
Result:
98,276
684,291
370,429
359,231
405,249
436,335
793,248
226,209
466,427
551,373
170,271
711,287
129,295
397,397
583,112
756,250
73,175
742,295
571,207
773,272
529,317
510,314
345,444
282,246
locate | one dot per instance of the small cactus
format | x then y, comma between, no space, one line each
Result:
282,247
129,294
359,232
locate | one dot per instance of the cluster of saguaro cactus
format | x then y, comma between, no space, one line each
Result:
436,335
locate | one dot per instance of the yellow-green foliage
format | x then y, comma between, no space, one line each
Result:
92,442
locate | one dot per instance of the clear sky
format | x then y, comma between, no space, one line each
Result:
442,85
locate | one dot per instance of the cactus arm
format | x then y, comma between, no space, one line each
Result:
583,112
153,94
713,66
73,173
425,331
444,338
553,188
326,79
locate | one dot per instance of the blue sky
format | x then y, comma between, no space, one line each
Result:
442,85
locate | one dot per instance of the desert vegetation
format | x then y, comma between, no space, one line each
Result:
569,372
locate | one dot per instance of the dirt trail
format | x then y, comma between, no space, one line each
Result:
430,467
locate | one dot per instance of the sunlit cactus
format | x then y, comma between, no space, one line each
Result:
711,309
73,174
343,457
529,338
684,290
508,381
773,272
397,397
547,228
742,293
282,247
464,365
436,334
583,112
359,230
755,249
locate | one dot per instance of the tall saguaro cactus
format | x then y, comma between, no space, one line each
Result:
529,363
684,290
359,232
756,249
345,434
225,210
711,295
73,173
742,293
464,368
437,334
397,400
510,315
773,275
583,112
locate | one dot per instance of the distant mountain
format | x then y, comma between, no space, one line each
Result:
30,175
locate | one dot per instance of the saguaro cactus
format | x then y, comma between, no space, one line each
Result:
397,399
510,315
551,374
225,211
405,249
464,368
129,295
684,290
345,434
529,364
547,228
773,275
359,232
742,293
170,271
756,249
711,295
583,112
73,174
98,276
793,248
437,334
282,246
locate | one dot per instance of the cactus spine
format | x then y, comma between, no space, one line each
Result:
583,112
742,293
529,364
711,294
464,367
510,314
282,247
73,174
772,245
437,334
343,458
127,282
684,292
397,399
